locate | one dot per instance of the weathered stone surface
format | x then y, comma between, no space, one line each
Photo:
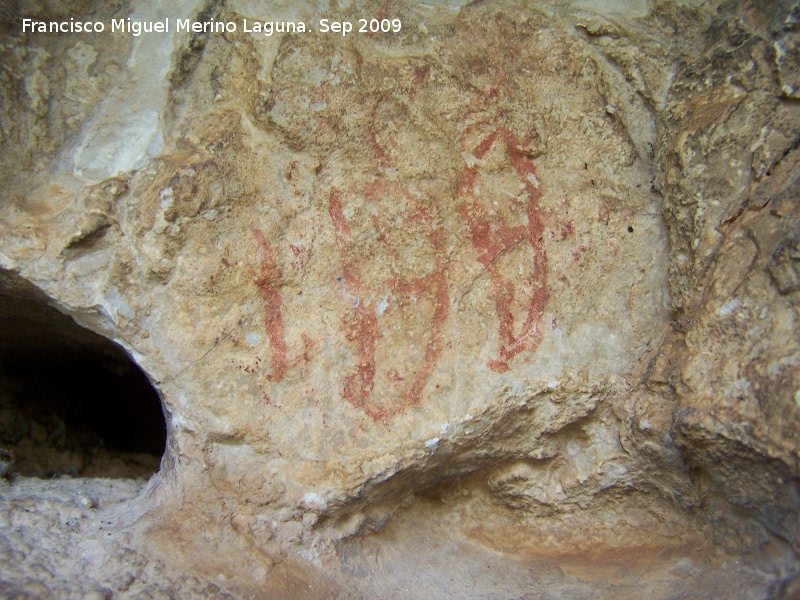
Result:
518,279
731,203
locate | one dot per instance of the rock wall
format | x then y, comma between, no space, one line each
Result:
519,278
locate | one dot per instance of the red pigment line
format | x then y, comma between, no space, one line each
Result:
267,282
383,11
419,286
363,325
491,243
381,14
433,349
421,74
358,386
527,170
486,145
341,229
436,280
377,150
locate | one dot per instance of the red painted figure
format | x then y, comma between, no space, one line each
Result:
491,236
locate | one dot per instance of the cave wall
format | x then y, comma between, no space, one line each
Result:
536,263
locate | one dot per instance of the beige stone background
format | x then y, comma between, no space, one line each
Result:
502,305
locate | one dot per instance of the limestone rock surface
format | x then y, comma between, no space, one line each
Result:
502,303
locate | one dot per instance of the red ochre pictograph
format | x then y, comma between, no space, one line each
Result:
492,237
511,232
361,325
267,283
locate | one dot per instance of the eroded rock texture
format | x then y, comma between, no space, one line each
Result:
500,305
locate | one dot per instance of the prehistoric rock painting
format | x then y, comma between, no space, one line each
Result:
394,271
267,282
403,296
500,225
